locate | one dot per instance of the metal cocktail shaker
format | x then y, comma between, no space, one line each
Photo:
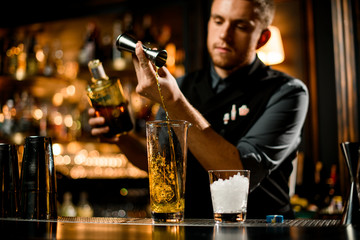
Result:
9,181
38,180
127,43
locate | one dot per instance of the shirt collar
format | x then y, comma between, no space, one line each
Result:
240,73
215,78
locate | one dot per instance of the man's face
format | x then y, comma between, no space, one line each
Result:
233,33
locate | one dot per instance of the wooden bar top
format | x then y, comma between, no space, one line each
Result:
139,228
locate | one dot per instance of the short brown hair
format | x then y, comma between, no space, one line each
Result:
264,10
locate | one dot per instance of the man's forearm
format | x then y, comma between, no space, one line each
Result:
209,148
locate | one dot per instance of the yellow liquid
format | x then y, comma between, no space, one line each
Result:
165,193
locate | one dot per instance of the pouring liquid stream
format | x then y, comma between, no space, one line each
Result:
173,163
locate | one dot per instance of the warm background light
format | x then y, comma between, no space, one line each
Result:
273,51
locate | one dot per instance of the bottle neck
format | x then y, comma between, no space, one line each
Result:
97,71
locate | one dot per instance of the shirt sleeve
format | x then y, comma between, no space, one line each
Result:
277,133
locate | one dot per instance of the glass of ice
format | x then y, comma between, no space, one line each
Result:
229,193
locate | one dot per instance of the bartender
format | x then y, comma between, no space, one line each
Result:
245,115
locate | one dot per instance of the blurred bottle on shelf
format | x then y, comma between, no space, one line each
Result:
176,56
19,52
24,109
164,37
48,68
12,51
84,209
31,61
42,117
90,48
149,31
20,72
119,62
9,113
331,185
128,22
58,57
67,208
332,204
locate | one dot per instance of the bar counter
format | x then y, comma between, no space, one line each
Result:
140,228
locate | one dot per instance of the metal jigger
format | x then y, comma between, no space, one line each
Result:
127,43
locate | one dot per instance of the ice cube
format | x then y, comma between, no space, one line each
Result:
230,195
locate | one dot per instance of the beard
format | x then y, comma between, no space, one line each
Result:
228,62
